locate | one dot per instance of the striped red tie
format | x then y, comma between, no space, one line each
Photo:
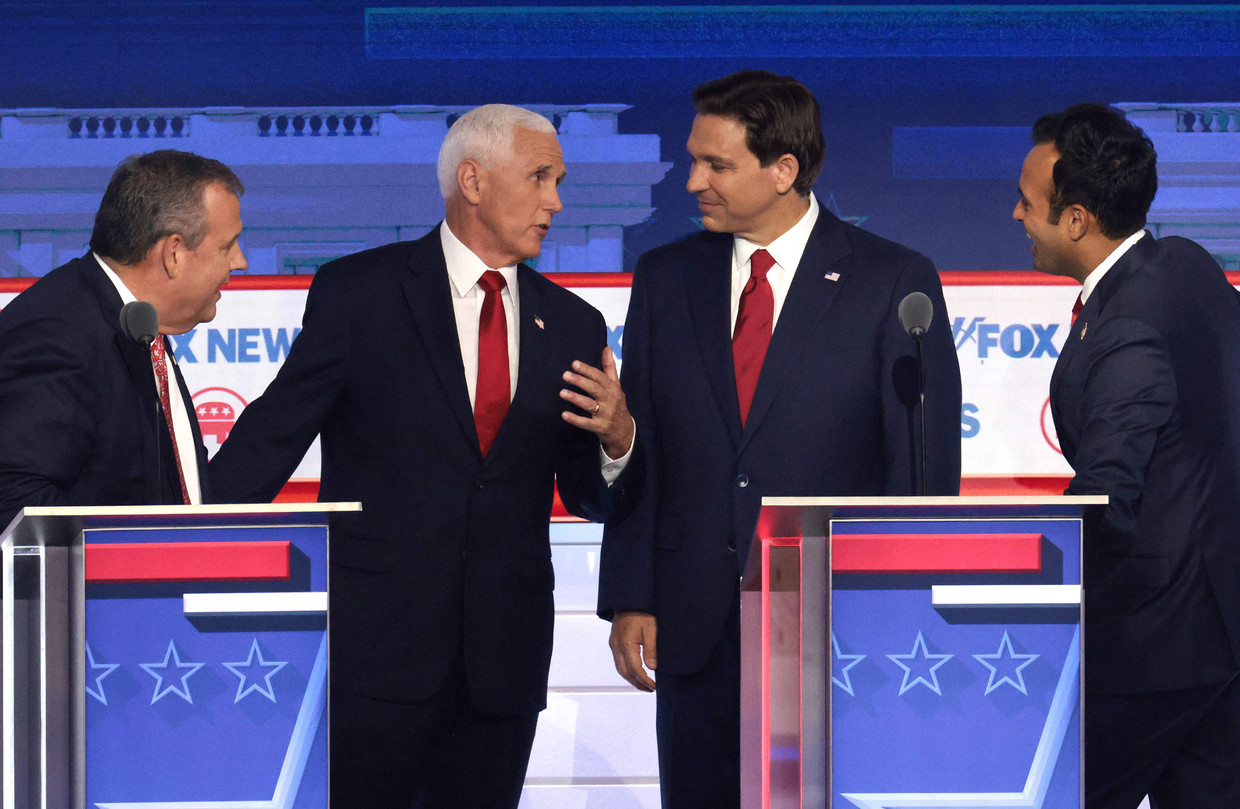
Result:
160,360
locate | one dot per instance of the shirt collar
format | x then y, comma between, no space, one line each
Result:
1091,281
788,248
126,295
464,267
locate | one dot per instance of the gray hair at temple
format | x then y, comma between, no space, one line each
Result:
154,195
484,134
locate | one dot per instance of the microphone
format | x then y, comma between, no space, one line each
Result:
915,313
140,322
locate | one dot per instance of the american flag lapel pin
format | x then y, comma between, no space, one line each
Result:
832,276
538,321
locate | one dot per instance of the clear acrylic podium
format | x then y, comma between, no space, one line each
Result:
938,664
165,655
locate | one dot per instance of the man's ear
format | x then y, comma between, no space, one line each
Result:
171,252
1080,222
469,180
787,169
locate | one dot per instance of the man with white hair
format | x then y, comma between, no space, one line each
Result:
435,373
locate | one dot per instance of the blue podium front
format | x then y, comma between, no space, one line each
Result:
938,664
188,657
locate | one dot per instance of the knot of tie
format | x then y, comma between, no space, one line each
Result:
760,264
492,281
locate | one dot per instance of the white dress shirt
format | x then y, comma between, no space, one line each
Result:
465,269
786,250
182,432
1091,280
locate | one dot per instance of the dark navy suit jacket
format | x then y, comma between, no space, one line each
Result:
451,550
833,414
1146,401
78,401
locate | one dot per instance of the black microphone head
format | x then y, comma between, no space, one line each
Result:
916,311
140,321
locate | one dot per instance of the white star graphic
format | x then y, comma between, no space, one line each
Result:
925,655
1010,656
107,668
239,669
853,660
160,690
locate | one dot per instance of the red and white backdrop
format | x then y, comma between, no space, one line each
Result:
1008,328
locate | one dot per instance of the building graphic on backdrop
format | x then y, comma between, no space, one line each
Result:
320,183
1198,173
325,182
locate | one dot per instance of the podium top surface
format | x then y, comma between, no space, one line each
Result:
809,516
36,525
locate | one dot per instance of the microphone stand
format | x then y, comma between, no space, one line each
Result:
921,396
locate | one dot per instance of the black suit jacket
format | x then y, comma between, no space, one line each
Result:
833,414
1146,401
450,548
78,403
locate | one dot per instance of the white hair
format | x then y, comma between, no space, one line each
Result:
484,134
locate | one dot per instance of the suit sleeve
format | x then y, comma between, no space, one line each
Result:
273,433
1128,398
901,415
579,479
47,405
626,565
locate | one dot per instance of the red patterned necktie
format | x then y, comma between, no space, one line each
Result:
160,361
492,395
752,334
1076,309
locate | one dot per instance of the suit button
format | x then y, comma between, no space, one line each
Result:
732,547
741,482
479,485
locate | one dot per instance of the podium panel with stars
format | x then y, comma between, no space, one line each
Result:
937,665
194,672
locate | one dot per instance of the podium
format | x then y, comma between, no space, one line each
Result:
166,656
913,652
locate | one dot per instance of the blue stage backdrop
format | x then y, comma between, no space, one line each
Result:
926,106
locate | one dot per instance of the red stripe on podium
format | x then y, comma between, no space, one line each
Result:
187,561
936,553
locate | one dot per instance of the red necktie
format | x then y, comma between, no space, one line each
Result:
160,361
752,334
1076,309
492,394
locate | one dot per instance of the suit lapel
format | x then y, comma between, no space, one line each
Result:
1093,309
137,360
430,302
136,357
808,300
708,288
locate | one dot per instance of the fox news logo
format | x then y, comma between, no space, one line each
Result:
1016,340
